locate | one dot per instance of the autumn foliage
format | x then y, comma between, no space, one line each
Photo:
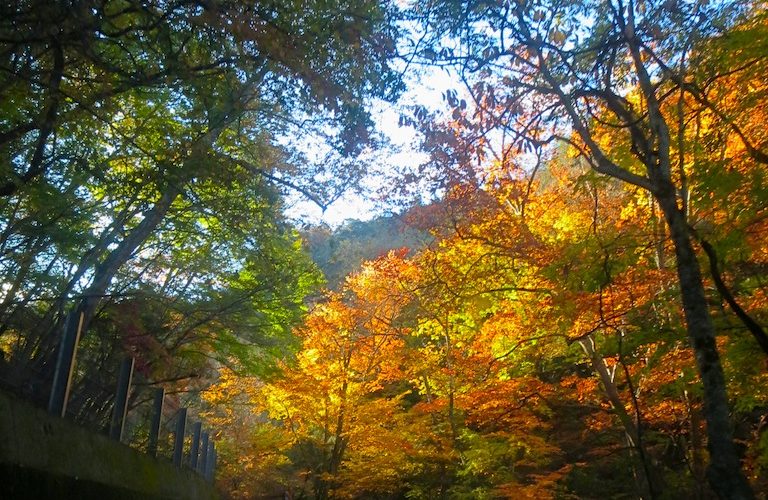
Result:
582,310
537,348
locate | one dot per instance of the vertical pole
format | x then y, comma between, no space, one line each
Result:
214,460
194,450
121,399
203,454
154,426
65,364
178,445
210,462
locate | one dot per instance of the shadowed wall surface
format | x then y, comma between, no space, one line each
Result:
47,457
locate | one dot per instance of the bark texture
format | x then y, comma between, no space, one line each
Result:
724,470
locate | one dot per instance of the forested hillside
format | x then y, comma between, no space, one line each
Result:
576,309
339,252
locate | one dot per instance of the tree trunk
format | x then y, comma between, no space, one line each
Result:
724,471
648,483
105,271
696,447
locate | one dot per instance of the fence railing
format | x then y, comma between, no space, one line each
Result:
201,455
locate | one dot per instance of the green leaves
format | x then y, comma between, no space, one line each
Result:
125,128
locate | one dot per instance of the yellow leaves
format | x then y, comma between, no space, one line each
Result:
477,333
635,210
384,279
250,448
378,450
229,388
309,356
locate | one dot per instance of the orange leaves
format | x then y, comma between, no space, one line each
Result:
584,390
377,456
543,486
504,405
461,367
250,449
332,398
610,308
387,278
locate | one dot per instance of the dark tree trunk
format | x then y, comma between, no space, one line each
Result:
105,271
724,471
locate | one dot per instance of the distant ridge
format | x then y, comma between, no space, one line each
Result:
341,251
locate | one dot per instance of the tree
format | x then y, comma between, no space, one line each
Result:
346,429
125,125
542,73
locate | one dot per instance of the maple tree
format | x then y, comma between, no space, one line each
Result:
325,404
533,67
536,347
539,337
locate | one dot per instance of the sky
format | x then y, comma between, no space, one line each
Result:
403,153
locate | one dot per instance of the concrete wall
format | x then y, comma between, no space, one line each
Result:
42,456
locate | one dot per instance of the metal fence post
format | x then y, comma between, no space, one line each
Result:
154,426
213,464
194,450
203,453
210,463
121,399
178,446
65,364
